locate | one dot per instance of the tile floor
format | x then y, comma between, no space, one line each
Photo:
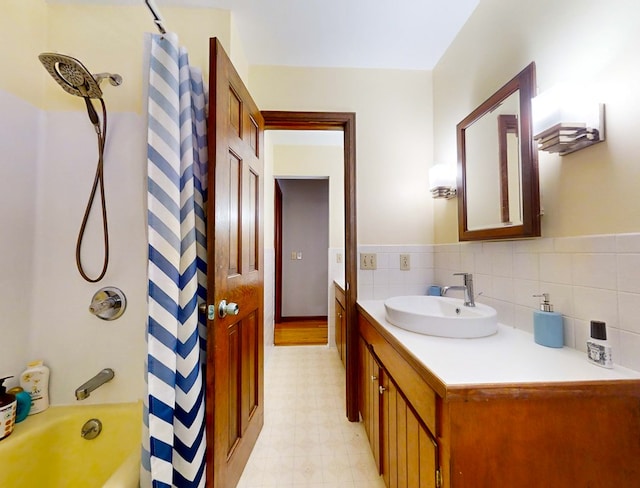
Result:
306,440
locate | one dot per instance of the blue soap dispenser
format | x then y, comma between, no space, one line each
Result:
547,324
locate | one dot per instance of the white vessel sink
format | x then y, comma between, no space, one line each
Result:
441,316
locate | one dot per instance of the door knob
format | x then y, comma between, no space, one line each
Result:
225,309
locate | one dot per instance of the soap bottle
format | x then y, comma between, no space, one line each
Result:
547,324
35,381
598,349
7,410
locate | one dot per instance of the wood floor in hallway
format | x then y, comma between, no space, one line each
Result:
301,332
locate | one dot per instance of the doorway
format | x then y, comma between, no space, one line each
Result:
344,121
302,215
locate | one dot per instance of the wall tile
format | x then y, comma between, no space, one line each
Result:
596,304
629,272
526,266
586,244
629,312
555,268
627,352
628,243
502,264
523,291
594,270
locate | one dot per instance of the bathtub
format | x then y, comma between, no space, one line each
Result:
47,449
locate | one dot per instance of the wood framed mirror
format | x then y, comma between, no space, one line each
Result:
498,188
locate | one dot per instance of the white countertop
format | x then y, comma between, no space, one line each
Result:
509,356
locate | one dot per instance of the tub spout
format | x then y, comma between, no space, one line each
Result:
97,381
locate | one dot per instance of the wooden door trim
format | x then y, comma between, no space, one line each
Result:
278,250
345,121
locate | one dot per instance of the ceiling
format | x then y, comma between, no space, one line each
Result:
387,34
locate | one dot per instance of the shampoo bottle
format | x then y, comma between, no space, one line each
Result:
547,324
7,410
35,381
598,349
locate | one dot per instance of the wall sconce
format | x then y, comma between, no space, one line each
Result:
566,120
442,181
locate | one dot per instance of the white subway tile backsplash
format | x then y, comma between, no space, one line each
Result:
594,270
628,243
555,268
586,244
587,277
629,273
596,304
627,353
629,312
526,266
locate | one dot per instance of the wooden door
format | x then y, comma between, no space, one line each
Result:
234,402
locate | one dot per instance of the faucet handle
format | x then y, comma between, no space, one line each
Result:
466,276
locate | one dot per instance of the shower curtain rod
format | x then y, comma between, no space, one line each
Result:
157,18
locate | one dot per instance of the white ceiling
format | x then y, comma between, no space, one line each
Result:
392,34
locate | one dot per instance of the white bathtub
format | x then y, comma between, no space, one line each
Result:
47,449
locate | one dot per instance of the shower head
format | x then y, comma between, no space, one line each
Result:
71,75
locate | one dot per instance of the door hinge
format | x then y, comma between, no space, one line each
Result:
438,478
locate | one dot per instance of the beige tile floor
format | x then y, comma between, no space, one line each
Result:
306,440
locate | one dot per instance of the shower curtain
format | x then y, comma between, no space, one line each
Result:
174,440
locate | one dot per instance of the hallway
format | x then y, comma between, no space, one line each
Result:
306,441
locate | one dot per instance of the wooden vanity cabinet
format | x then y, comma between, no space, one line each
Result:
425,433
403,448
340,324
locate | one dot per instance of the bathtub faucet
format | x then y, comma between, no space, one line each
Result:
97,381
469,299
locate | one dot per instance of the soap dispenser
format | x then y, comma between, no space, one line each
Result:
547,324
7,410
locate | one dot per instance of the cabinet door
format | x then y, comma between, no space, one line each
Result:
339,321
370,399
408,451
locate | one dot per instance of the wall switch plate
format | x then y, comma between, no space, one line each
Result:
405,262
368,261
293,255
299,254
339,258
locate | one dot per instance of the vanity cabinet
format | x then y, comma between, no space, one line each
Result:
403,448
340,323
425,432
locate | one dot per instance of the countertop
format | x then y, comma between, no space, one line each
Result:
509,356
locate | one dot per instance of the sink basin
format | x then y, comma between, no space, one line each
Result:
441,316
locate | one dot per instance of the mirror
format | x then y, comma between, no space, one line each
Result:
498,190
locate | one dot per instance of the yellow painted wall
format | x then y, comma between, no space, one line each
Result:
311,161
103,38
394,146
592,191
23,31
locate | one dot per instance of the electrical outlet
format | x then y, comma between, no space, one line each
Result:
339,258
368,261
405,262
299,255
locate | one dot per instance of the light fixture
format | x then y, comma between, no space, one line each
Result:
442,181
565,119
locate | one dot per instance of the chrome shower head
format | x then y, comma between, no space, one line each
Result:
71,75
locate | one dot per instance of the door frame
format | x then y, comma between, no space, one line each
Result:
345,121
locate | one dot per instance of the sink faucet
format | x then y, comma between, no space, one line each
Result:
469,300
97,381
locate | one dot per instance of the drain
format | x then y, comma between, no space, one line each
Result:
91,429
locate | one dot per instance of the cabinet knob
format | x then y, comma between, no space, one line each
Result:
381,389
373,377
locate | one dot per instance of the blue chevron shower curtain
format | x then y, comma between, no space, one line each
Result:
174,441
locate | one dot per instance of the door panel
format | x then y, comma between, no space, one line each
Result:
235,411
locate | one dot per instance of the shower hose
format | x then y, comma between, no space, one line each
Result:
98,182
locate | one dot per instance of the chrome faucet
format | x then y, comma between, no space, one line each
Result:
469,299
97,381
